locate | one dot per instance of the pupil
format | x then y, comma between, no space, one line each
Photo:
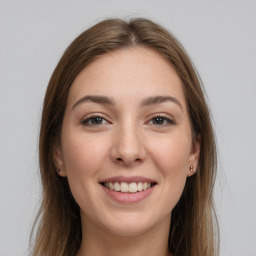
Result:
159,120
97,120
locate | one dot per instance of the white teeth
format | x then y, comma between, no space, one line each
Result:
139,186
124,187
145,185
127,187
117,186
133,187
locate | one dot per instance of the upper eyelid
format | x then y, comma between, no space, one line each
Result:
87,118
161,114
169,120
92,115
158,114
150,117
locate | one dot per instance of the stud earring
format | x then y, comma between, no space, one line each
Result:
191,168
59,170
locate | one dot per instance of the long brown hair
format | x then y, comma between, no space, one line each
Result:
58,225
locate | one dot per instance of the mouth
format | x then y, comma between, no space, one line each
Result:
128,187
128,190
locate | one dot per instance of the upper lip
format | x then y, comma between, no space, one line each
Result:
127,179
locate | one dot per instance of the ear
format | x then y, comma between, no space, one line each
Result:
59,161
194,156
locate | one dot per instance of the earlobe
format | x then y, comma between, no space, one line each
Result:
59,162
194,157
191,171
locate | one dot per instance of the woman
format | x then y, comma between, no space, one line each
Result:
127,150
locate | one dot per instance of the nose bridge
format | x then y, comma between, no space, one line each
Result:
128,146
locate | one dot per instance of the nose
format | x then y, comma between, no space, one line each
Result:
128,147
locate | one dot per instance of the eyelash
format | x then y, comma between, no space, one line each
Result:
164,118
168,121
86,121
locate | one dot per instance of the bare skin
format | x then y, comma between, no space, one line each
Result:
138,125
151,243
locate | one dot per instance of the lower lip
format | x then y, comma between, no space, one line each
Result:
128,197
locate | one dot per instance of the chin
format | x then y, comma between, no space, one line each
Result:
127,229
130,223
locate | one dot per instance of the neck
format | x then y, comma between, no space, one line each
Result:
152,242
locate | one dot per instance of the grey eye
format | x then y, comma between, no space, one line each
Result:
161,120
94,120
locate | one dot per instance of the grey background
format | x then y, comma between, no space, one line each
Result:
220,37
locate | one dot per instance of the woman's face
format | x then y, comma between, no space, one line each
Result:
126,127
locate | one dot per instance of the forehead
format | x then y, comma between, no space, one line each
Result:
128,74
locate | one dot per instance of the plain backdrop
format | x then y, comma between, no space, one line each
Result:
220,37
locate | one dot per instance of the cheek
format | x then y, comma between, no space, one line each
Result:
171,156
83,157
83,154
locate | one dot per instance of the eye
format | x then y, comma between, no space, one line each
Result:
160,120
94,120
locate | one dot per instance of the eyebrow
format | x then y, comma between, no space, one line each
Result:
95,99
149,101
160,99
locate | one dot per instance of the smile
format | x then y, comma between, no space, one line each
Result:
125,187
128,190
